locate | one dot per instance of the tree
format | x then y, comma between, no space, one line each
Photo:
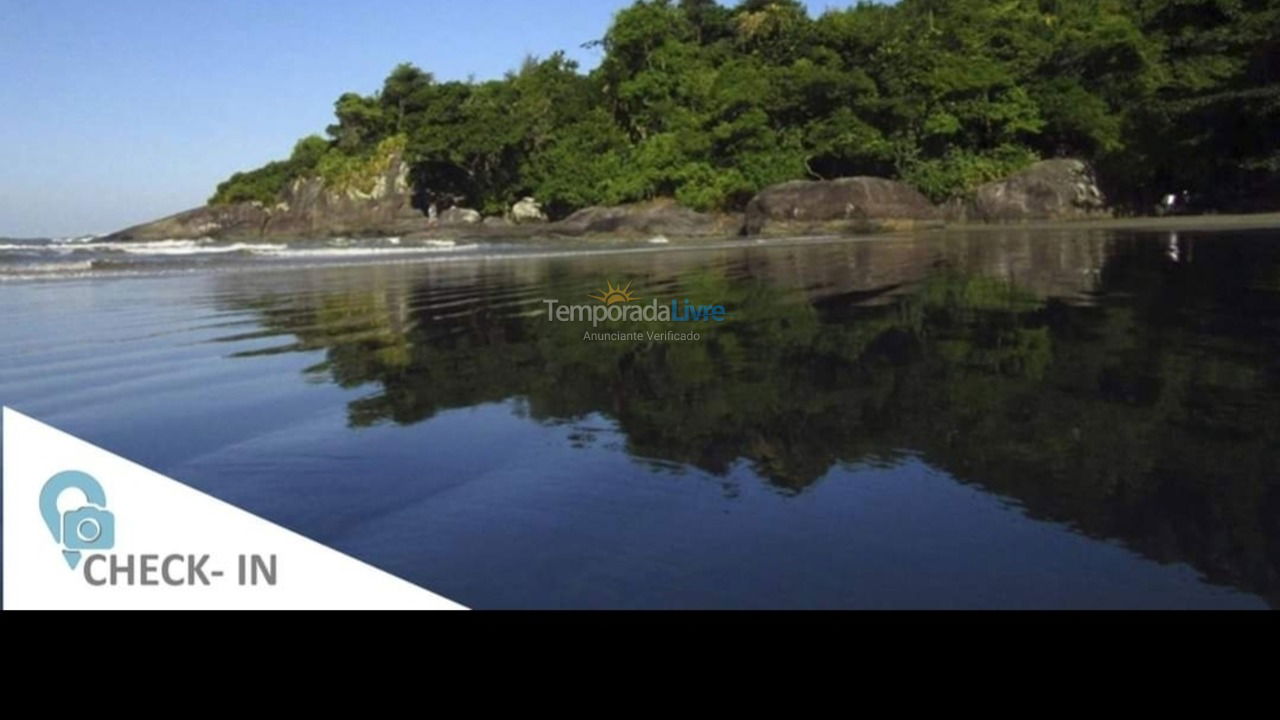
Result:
708,104
361,122
405,91
1210,126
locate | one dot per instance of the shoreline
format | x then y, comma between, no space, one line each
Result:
1188,223
1181,223
505,248
550,231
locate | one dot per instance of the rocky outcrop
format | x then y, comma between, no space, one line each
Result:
382,204
641,221
241,220
527,211
308,207
1063,189
856,204
659,217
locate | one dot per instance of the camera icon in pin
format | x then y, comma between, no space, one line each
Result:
88,527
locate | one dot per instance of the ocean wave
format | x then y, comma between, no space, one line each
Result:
339,247
184,247
341,252
72,260
75,239
46,260
44,269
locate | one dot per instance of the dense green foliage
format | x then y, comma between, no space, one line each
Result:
709,104
264,184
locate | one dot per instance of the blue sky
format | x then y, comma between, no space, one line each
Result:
113,113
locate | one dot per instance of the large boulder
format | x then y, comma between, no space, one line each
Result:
1062,189
659,217
459,216
527,211
856,204
381,204
240,220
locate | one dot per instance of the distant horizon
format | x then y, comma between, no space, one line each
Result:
140,109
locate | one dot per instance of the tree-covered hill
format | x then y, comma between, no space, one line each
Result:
709,104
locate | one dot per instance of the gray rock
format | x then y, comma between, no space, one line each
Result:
661,217
1063,189
857,204
459,216
527,211
497,221
239,220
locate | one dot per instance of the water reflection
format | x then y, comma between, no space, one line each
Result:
1123,385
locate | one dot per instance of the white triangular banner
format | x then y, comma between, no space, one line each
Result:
87,529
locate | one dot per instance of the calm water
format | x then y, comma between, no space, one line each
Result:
1015,420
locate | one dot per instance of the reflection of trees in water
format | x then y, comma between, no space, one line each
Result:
1150,418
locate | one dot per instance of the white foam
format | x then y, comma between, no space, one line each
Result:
341,252
340,247
41,269
75,239
186,247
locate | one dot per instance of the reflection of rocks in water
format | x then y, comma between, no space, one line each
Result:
1040,263
1043,264
1151,417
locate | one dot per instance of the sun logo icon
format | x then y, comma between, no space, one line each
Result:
615,295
